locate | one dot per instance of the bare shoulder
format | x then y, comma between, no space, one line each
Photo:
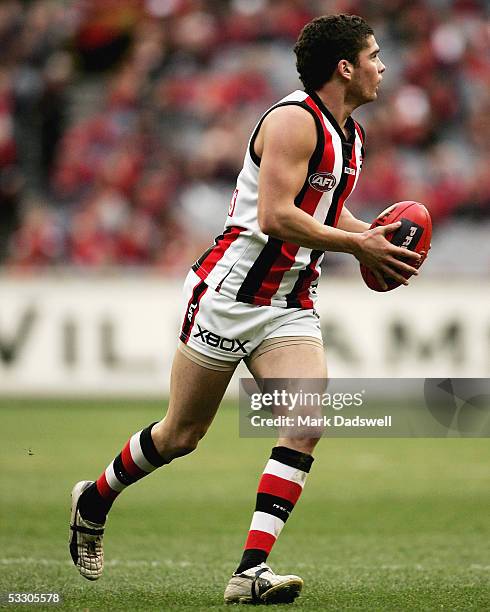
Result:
289,127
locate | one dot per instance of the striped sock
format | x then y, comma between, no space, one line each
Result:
136,460
279,489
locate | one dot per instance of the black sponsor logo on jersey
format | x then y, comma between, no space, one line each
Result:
225,344
322,181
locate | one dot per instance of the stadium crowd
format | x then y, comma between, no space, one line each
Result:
123,123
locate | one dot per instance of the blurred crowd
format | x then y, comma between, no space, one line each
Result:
123,123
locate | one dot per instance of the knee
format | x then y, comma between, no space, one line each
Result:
177,442
184,443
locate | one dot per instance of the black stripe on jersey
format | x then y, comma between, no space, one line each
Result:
315,159
196,265
277,506
318,150
259,270
332,211
349,124
362,132
363,140
306,273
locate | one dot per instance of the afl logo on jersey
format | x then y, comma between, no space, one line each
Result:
322,181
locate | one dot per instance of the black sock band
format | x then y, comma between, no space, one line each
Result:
293,458
148,447
92,506
251,558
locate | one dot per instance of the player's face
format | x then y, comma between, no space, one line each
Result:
367,74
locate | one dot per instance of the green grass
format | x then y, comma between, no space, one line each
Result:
383,524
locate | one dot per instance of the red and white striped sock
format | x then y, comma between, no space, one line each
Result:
138,458
279,489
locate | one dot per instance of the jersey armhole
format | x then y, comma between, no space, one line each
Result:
317,153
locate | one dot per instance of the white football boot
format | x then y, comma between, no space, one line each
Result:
85,538
259,585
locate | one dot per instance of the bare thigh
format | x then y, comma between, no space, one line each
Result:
296,362
195,395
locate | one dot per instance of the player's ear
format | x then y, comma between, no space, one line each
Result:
345,69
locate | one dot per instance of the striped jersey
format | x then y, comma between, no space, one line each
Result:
249,266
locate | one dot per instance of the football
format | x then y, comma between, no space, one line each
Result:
415,234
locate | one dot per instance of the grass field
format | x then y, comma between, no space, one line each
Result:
383,524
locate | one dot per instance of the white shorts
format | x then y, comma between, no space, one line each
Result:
222,329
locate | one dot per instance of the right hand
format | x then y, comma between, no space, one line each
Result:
373,250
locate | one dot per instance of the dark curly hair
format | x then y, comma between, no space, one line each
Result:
325,41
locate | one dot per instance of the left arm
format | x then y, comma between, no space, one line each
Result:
349,223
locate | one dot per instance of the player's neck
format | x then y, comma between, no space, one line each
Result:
334,99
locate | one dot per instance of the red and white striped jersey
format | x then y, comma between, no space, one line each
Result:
247,265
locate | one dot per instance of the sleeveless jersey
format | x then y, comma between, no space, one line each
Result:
249,266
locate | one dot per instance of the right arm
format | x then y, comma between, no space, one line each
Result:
285,142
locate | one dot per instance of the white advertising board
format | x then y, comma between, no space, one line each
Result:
116,336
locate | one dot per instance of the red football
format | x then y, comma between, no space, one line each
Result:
415,234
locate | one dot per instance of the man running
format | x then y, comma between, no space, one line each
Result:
252,294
